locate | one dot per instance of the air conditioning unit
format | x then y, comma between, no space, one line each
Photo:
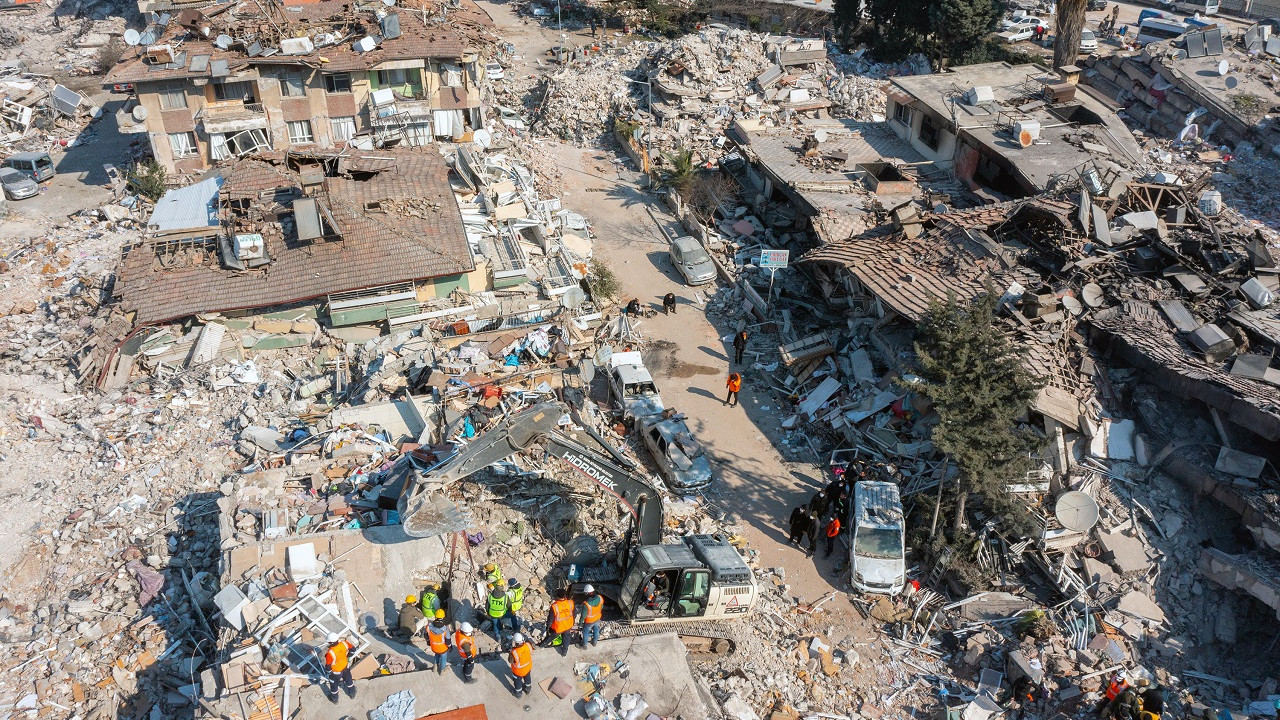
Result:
1030,127
249,246
978,95
160,54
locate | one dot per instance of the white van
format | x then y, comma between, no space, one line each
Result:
1157,29
878,553
1202,7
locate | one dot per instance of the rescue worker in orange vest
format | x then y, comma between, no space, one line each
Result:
338,661
438,641
466,647
1118,684
559,620
833,530
734,384
592,609
521,658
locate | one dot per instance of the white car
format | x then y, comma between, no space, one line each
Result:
494,71
1019,20
1088,42
1017,34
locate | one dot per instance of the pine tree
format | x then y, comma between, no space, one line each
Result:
961,27
1067,27
980,389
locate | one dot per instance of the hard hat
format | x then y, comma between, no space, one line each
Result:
466,628
334,637
490,567
490,587
512,582
411,599
431,587
589,589
518,639
439,614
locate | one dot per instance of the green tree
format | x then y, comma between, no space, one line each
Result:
1066,33
148,178
960,29
980,389
680,171
894,28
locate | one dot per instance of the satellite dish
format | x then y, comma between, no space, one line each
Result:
1072,305
1189,133
573,298
820,135
1232,82
1076,511
223,41
139,114
389,3
941,209
131,37
1223,68
1092,293
1180,54
601,358
586,370
483,138
1025,139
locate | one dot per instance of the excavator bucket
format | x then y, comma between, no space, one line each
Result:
432,513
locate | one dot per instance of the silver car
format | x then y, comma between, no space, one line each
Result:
692,261
681,460
16,185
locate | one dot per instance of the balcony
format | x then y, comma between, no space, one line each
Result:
230,116
131,118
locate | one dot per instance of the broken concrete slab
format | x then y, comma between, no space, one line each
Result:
1240,464
1140,605
1126,554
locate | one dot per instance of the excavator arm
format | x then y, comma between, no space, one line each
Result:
420,503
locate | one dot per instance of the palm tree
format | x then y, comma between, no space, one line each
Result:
680,171
1067,27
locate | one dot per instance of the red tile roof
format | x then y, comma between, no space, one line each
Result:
423,240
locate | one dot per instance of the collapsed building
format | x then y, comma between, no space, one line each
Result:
229,81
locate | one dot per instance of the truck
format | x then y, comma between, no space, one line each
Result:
699,577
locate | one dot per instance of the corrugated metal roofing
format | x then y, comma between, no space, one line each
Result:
189,208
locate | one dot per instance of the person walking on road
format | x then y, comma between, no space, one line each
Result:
734,384
465,643
592,609
812,533
739,346
559,620
668,303
438,641
338,660
521,658
833,529
798,524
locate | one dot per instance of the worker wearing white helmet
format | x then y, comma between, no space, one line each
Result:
521,658
338,661
465,644
590,612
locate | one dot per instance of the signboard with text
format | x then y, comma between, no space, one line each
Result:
774,259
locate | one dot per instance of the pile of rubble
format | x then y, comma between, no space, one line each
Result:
699,83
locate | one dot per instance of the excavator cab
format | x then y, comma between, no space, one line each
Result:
701,577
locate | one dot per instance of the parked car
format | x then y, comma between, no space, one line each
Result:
1095,5
1017,34
1088,42
681,460
16,185
631,386
692,260
494,71
1018,20
877,555
36,165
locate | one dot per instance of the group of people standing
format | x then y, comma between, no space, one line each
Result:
826,512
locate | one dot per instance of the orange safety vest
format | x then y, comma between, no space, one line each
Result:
591,613
735,383
833,527
466,646
521,657
1117,686
336,658
561,615
437,640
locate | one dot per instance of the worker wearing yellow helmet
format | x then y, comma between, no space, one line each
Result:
412,619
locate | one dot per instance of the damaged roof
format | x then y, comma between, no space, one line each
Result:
332,29
399,224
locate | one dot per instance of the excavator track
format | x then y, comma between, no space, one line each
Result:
704,641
